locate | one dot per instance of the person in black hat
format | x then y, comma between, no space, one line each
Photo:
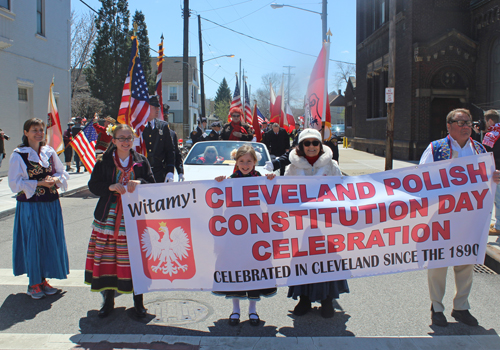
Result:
215,133
159,146
199,134
75,129
68,150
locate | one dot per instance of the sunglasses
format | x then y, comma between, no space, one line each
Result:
124,139
461,123
308,143
235,115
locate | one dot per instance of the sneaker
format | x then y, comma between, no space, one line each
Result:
48,289
36,291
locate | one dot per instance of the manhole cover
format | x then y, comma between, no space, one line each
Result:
484,269
177,312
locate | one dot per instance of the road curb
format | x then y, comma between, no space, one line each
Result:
492,258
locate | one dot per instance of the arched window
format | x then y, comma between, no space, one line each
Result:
495,73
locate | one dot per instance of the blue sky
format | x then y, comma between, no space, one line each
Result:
288,27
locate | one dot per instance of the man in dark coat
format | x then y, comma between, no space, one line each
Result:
74,131
178,156
215,133
198,134
236,129
159,146
277,142
68,150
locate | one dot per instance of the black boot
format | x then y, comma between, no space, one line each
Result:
108,305
303,306
327,310
140,310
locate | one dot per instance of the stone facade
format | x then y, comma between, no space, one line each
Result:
444,54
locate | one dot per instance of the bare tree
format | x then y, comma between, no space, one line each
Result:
262,95
342,73
83,34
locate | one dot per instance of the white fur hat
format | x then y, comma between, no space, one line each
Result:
309,134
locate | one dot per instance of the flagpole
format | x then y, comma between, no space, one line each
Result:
326,103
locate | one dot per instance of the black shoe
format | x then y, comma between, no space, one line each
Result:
139,308
303,306
254,321
234,321
108,305
438,318
464,316
327,310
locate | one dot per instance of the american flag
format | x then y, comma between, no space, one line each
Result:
248,110
158,77
134,108
236,102
84,144
260,117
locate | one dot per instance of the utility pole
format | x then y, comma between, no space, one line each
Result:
185,73
242,91
289,76
323,19
202,80
389,148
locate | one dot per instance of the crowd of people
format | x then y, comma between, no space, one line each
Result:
36,174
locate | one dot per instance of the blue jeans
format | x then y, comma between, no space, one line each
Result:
497,208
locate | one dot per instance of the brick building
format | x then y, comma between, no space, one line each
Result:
447,56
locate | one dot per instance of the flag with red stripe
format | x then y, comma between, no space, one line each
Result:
54,131
84,144
248,110
236,102
159,92
256,123
137,112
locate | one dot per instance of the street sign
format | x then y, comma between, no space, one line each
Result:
389,95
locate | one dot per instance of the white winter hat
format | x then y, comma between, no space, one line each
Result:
309,134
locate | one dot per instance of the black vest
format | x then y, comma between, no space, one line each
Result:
38,172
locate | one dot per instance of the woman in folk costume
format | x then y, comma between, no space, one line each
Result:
310,158
39,246
119,170
246,159
236,130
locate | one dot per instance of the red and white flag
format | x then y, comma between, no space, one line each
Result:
54,135
317,109
159,91
134,108
290,119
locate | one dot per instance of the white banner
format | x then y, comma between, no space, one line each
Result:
252,233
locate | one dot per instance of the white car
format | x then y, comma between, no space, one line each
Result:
208,159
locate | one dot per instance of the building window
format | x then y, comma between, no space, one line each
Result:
22,94
5,4
172,96
40,20
382,12
194,95
375,102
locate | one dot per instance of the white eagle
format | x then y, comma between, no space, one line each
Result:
169,250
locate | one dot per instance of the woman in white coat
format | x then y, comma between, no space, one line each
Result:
310,158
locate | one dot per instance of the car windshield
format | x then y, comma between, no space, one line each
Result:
338,128
219,153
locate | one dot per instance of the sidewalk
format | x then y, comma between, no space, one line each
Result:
353,162
77,182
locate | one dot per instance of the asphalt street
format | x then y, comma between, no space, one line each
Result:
383,306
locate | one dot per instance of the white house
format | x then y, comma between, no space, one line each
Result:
34,47
172,91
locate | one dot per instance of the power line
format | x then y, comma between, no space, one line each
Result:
267,42
223,7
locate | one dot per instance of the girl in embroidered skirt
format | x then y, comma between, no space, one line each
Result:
246,159
39,246
119,170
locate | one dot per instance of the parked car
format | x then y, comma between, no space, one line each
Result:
201,164
339,131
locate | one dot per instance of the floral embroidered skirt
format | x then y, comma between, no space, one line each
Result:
39,246
108,265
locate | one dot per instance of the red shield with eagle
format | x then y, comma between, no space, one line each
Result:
166,249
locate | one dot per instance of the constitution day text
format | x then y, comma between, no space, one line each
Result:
253,233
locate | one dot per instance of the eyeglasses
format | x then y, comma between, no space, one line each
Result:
314,143
461,123
124,139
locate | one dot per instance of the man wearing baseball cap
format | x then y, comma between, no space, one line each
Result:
215,133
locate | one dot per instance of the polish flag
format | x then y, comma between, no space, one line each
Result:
290,119
54,137
317,111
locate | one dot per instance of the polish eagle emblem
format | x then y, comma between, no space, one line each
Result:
169,249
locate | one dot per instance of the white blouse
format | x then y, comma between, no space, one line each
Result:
18,172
